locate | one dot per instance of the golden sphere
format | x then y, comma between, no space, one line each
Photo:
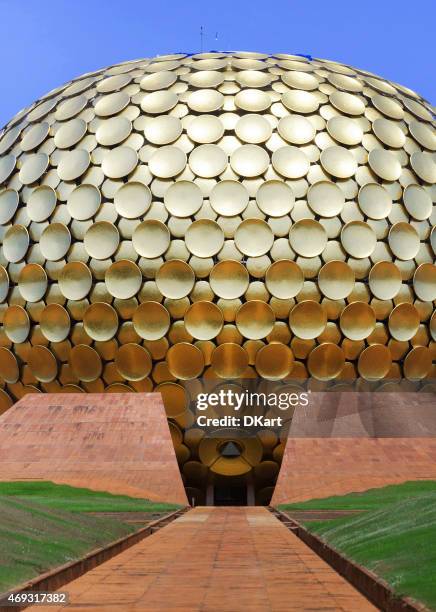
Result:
158,209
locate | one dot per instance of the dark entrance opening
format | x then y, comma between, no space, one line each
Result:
230,495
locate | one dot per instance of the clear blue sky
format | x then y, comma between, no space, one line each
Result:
45,43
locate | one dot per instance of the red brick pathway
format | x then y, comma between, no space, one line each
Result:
215,560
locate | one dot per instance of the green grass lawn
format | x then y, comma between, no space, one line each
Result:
44,525
64,497
395,536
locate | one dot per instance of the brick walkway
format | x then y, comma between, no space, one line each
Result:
215,560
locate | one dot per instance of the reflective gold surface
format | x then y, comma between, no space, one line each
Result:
218,215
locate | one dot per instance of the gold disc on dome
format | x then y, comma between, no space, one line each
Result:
389,132
254,237
85,363
167,161
384,280
5,401
252,100
375,201
274,361
345,130
300,101
8,205
229,360
205,100
9,370
183,199
35,136
73,164
308,237
204,320
253,129
32,282
132,200
423,134
119,162
326,361
34,167
284,279
296,129
174,397
307,319
205,129
291,162
113,131
300,80
249,160
75,280
84,202
4,284
55,323
336,280
374,362
70,133
163,130
358,239
385,164
326,199
158,80
255,319
418,202
206,78
71,107
41,203
347,103
16,324
55,241
424,166
123,279
338,161
42,363
100,321
15,243
151,238
175,279
101,240
229,279
418,363
208,160
204,238
151,320
275,198
424,282
133,361
185,361
229,198
404,321
111,104
357,321
404,241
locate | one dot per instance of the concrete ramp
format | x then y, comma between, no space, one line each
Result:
109,442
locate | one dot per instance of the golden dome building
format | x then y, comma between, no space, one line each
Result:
218,216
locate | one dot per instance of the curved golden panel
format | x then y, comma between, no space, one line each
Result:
8,205
228,198
403,321
255,319
16,324
374,362
185,361
101,240
249,160
326,361
166,162
275,198
204,320
183,199
229,279
274,361
75,280
151,320
254,237
308,237
204,238
307,319
358,239
375,201
404,240
42,363
326,199
253,129
32,282
100,321
151,238
123,279
339,162
357,321
85,363
418,363
133,361
83,202
208,160
417,202
205,129
284,279
15,243
9,370
55,241
55,323
424,282
336,280
384,280
175,279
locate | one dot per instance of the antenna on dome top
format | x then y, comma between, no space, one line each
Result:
201,39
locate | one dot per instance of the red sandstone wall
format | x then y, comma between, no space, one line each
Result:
110,442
